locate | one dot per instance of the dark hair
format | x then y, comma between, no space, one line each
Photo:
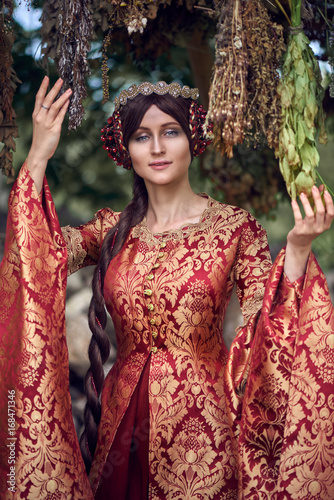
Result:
131,117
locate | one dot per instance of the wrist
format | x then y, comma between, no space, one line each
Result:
298,250
36,167
296,258
35,162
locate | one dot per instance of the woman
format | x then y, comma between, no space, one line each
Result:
180,417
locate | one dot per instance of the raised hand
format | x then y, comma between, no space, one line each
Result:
48,116
306,229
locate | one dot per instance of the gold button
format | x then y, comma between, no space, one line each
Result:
160,255
150,276
148,292
154,349
154,335
152,321
163,244
156,265
150,307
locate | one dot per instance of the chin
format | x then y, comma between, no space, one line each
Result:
163,178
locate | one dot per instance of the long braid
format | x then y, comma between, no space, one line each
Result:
99,347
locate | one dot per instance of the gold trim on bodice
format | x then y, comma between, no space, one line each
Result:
142,232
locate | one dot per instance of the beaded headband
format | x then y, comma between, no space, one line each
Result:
112,134
160,88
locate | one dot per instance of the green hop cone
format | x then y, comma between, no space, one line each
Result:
309,157
304,183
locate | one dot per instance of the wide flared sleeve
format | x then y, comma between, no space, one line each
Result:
279,382
40,455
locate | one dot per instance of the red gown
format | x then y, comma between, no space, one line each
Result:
253,423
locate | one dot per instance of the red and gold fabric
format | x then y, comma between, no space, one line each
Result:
255,422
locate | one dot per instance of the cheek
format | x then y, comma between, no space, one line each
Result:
134,155
182,149
188,151
186,154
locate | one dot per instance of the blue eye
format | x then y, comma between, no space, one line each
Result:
172,133
141,138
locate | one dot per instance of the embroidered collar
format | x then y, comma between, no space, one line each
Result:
142,232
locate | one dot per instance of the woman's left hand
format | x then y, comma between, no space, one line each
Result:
306,229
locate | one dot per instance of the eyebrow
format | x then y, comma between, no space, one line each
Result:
168,124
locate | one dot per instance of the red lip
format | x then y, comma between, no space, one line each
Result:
159,163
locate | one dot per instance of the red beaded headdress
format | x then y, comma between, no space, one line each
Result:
112,135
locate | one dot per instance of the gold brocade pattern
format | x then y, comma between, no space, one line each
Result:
307,463
254,423
33,352
75,253
83,243
191,277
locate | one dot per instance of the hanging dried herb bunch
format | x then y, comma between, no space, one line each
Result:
69,26
228,92
301,96
265,47
121,13
8,83
302,113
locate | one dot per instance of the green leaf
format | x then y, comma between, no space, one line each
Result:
286,96
293,157
310,111
285,169
300,67
300,134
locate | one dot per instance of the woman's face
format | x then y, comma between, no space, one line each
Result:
159,149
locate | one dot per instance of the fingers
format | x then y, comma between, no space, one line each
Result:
296,213
50,97
316,220
324,212
309,213
61,115
319,218
56,106
41,94
319,207
329,215
46,102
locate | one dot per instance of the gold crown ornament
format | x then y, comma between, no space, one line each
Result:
160,88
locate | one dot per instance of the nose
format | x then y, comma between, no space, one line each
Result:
158,146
